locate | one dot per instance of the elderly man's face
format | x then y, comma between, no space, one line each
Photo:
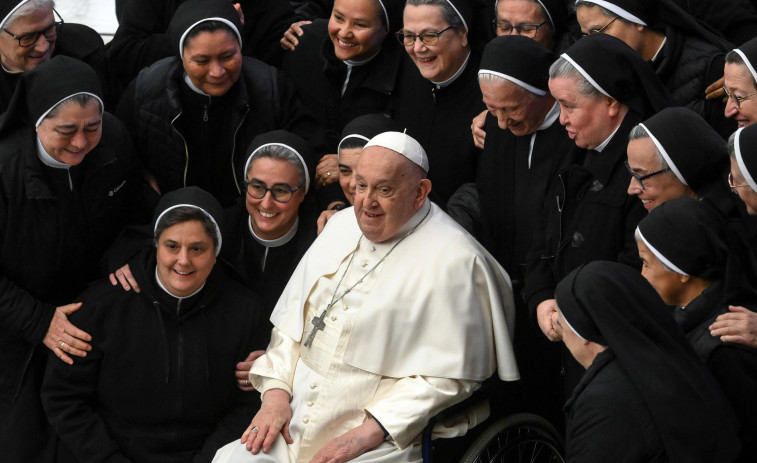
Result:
16,58
517,12
664,186
587,119
388,191
515,108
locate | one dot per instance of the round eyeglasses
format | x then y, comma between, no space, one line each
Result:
428,38
280,193
734,186
526,30
601,29
737,99
640,178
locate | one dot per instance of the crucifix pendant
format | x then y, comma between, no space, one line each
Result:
318,325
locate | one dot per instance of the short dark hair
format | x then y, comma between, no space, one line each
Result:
185,214
208,26
82,98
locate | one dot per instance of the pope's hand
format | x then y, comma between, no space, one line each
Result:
544,313
273,418
351,444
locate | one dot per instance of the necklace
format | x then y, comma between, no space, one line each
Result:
318,322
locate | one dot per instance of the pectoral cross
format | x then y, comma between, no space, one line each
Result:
318,325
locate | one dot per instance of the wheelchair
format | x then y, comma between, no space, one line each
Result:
517,437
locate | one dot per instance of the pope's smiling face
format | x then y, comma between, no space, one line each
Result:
389,189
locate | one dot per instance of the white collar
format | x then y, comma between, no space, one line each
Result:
274,243
664,39
192,86
10,72
160,283
550,118
48,160
353,63
455,76
604,144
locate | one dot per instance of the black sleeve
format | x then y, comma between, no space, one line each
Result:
265,22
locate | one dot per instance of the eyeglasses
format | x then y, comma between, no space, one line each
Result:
428,38
526,30
601,29
733,187
641,178
50,33
737,99
280,193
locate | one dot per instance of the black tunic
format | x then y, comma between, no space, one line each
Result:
440,118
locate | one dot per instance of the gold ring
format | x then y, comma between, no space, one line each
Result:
328,174
61,345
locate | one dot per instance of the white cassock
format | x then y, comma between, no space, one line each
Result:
416,336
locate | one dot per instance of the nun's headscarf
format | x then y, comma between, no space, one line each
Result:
366,127
694,151
392,10
521,60
658,14
41,89
196,198
617,71
7,8
613,305
748,53
557,13
745,152
194,12
296,145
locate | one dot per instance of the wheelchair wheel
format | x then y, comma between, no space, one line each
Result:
517,438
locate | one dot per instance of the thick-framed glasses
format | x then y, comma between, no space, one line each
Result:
526,30
737,99
601,29
428,38
734,187
640,178
50,33
280,193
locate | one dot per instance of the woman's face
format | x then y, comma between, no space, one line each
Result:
269,218
185,256
356,29
347,162
213,61
742,188
587,119
441,61
667,284
72,133
740,83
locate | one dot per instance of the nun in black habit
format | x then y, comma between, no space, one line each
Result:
68,39
587,214
269,234
685,54
438,91
69,184
645,396
193,115
698,267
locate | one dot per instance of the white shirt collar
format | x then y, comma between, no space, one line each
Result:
353,63
49,160
455,76
599,148
551,117
664,39
160,283
274,243
192,86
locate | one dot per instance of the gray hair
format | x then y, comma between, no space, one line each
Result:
732,145
732,57
637,236
604,10
82,99
448,11
495,79
562,68
544,14
639,132
29,7
281,153
185,214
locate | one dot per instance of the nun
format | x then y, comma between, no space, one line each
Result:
742,148
438,91
741,84
698,267
274,222
685,54
70,185
193,115
156,386
614,324
604,89
345,67
33,32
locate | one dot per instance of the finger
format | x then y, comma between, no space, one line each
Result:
63,356
735,339
75,343
72,330
123,280
269,438
70,308
738,308
285,433
113,279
